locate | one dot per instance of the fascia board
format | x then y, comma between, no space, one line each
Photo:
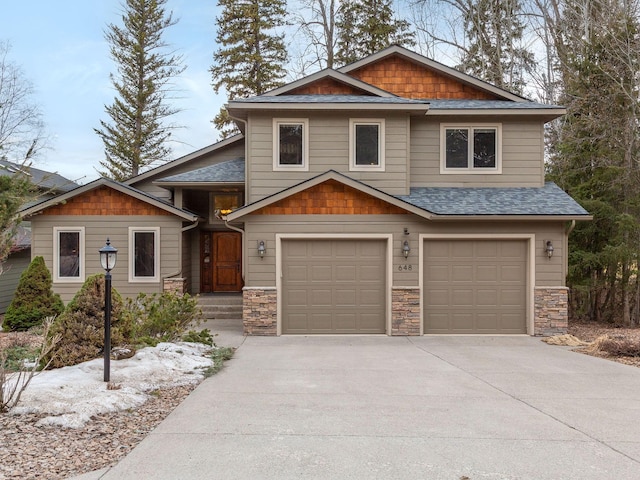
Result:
457,218
335,75
412,107
184,159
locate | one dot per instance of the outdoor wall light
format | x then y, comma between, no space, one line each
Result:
108,257
549,248
406,249
261,248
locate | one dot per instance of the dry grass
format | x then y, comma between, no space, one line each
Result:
620,344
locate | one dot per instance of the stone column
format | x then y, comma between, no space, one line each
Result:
175,285
405,311
551,311
259,311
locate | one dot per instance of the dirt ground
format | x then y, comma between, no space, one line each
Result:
589,332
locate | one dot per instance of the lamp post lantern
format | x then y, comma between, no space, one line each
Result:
108,257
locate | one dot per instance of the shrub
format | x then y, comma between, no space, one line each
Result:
203,336
161,317
617,346
81,325
19,363
34,299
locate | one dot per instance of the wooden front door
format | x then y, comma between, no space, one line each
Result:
220,262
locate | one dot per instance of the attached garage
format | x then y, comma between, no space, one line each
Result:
333,286
475,286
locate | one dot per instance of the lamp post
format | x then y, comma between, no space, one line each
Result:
108,257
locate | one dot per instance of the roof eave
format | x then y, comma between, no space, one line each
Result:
509,217
421,108
197,184
549,113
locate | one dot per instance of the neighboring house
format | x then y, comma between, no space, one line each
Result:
49,185
392,196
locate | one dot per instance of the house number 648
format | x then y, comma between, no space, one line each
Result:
406,268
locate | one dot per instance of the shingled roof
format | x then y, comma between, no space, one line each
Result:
231,171
549,200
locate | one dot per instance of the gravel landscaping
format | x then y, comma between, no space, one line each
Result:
30,451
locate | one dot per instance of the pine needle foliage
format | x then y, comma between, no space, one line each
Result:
368,26
252,54
136,135
34,300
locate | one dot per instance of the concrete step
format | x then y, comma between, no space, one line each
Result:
221,306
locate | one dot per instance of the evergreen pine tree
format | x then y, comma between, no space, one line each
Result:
494,52
366,27
34,299
137,136
251,55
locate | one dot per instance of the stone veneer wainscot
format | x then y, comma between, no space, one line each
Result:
405,311
259,311
551,316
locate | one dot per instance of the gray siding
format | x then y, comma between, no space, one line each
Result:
522,154
12,269
97,229
261,272
233,151
328,150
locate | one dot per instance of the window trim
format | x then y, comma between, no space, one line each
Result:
353,123
56,255
277,166
470,170
156,253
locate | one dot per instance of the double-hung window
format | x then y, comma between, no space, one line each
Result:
290,144
366,144
470,149
144,254
68,254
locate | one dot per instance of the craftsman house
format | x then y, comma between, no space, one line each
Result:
392,196
48,185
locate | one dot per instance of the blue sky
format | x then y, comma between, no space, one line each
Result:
61,49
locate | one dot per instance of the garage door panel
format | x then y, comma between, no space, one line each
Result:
320,297
512,273
461,273
485,273
462,297
345,273
346,298
344,284
475,286
297,298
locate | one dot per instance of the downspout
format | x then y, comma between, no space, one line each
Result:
566,249
182,230
239,230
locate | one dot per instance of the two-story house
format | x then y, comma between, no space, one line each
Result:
392,196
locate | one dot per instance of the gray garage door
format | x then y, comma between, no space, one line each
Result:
475,286
333,286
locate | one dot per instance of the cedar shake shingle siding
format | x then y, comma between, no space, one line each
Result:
407,79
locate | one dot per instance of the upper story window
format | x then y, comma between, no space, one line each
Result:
366,144
144,254
68,254
470,149
291,144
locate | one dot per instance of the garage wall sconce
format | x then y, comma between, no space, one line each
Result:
262,249
549,248
406,249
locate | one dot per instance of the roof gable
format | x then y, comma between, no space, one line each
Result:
328,193
390,67
330,198
106,197
341,83
407,79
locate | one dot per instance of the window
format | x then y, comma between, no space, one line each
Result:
223,204
68,254
290,147
144,254
366,144
470,149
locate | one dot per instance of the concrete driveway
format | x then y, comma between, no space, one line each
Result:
401,408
